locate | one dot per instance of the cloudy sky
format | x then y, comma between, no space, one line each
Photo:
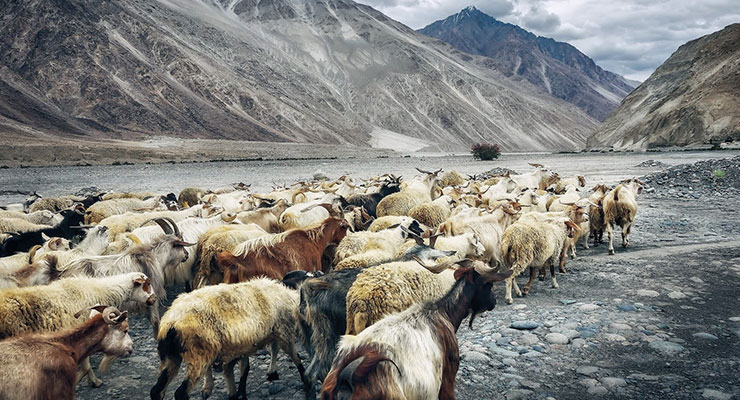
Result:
629,37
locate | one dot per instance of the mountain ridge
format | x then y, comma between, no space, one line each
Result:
555,67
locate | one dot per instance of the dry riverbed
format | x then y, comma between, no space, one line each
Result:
658,320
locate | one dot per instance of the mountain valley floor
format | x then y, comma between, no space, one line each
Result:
660,319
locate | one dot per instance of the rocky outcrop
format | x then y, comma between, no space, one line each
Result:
692,99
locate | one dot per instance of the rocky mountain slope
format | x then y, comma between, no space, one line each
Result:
555,67
308,71
693,98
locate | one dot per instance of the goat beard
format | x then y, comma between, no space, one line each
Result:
473,313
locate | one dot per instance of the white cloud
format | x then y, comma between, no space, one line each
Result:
629,37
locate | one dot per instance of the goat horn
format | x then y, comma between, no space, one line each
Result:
418,239
175,228
166,228
435,269
490,274
424,172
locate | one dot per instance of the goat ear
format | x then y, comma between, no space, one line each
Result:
98,308
120,318
45,237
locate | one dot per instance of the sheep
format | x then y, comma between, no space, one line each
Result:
559,203
432,213
534,179
150,258
499,191
620,208
413,354
43,366
67,229
227,322
216,240
29,309
534,241
42,217
274,256
488,227
54,204
19,225
392,287
190,196
413,192
307,214
596,213
104,209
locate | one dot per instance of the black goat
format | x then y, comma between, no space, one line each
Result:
68,229
370,201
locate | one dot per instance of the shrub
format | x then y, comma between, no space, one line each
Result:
719,173
485,151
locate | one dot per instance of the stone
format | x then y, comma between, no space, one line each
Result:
519,306
626,307
504,352
620,327
530,385
597,390
508,361
613,337
587,370
528,339
611,383
665,347
735,319
474,356
577,343
676,295
531,354
518,394
589,307
557,338
647,293
704,335
715,395
643,377
567,302
275,388
495,336
571,333
524,325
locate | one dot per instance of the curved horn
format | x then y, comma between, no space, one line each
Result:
418,239
490,274
174,226
228,217
435,269
166,227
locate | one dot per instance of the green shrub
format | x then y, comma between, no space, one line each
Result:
485,151
719,173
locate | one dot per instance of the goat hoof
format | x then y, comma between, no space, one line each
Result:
218,366
273,376
611,252
509,301
204,395
96,383
562,270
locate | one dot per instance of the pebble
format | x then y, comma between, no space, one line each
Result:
567,302
528,339
509,361
557,338
589,307
530,385
620,327
495,336
524,325
571,333
715,395
587,370
626,307
647,293
519,306
578,342
550,323
275,388
666,347
735,319
613,337
504,352
611,383
474,356
597,390
704,335
588,382
517,394
643,377
676,295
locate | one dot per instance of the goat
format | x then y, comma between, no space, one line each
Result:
229,322
274,256
412,193
413,354
620,208
43,366
65,229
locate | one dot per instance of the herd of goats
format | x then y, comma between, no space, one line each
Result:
373,277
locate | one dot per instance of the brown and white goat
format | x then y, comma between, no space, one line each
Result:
43,366
620,208
412,354
276,255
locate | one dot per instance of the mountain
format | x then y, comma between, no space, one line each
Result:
693,98
307,71
554,67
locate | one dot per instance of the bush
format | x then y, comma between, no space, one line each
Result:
485,151
719,173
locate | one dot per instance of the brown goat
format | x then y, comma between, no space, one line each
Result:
276,255
44,366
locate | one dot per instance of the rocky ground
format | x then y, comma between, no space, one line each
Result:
658,320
